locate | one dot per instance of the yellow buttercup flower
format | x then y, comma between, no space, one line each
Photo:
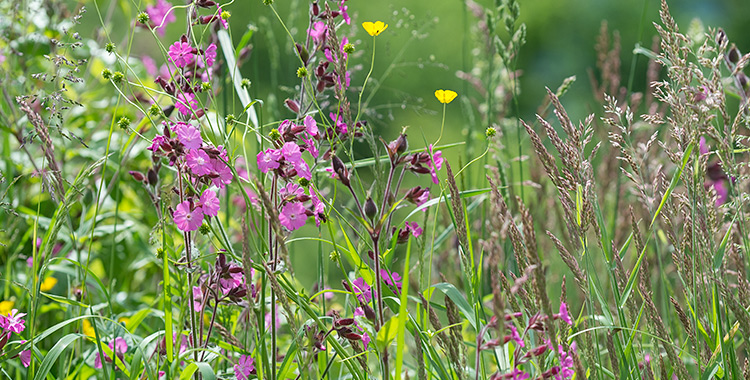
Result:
445,96
48,284
6,307
88,330
374,28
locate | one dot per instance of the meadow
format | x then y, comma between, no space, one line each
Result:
265,189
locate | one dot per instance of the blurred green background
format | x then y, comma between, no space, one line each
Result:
561,35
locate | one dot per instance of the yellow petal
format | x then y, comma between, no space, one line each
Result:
6,307
445,96
48,284
374,28
88,329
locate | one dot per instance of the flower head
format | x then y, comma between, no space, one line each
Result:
25,357
186,103
564,315
118,346
362,290
13,321
414,228
210,54
160,15
391,279
435,163
187,219
374,28
181,53
199,162
293,216
244,367
445,96
318,32
210,203
268,160
189,136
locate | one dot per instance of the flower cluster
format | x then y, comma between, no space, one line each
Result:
286,163
13,322
205,164
563,371
226,282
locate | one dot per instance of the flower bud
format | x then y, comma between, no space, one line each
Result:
293,105
371,210
138,176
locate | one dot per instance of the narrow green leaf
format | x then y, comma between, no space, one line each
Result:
54,353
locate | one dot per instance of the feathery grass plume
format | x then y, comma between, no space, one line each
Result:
457,341
435,322
682,317
458,213
506,288
571,262
743,319
660,330
48,148
500,209
421,372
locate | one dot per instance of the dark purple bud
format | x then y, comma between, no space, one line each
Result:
138,176
734,55
371,210
293,105
315,8
344,322
152,177
369,313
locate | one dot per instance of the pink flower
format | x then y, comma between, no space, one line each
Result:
344,14
210,203
181,54
293,216
187,220
156,143
25,357
339,121
13,321
268,160
291,191
359,312
362,290
318,207
391,279
515,336
223,22
311,126
160,15
564,314
366,339
197,298
189,136
223,174
414,228
198,162
186,103
244,367
291,152
517,374
303,171
118,346
435,164
210,54
311,147
318,32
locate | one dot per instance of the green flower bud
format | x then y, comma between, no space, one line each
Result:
302,72
118,77
348,48
154,110
205,86
107,74
274,134
245,83
204,229
109,47
123,122
491,132
225,15
230,119
142,18
303,182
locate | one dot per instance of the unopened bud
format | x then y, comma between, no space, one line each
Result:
370,208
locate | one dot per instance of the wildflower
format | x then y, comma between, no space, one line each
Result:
6,307
118,346
302,72
362,290
13,321
293,216
391,279
374,28
515,336
318,32
197,298
311,126
25,357
210,54
435,164
345,15
291,191
210,203
186,219
366,339
161,16
198,162
268,160
339,121
517,374
291,152
189,136
223,17
564,315
244,367
48,284
445,96
221,174
318,208
88,329
311,147
181,53
186,103
414,228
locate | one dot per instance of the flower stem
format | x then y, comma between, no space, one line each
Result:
372,65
